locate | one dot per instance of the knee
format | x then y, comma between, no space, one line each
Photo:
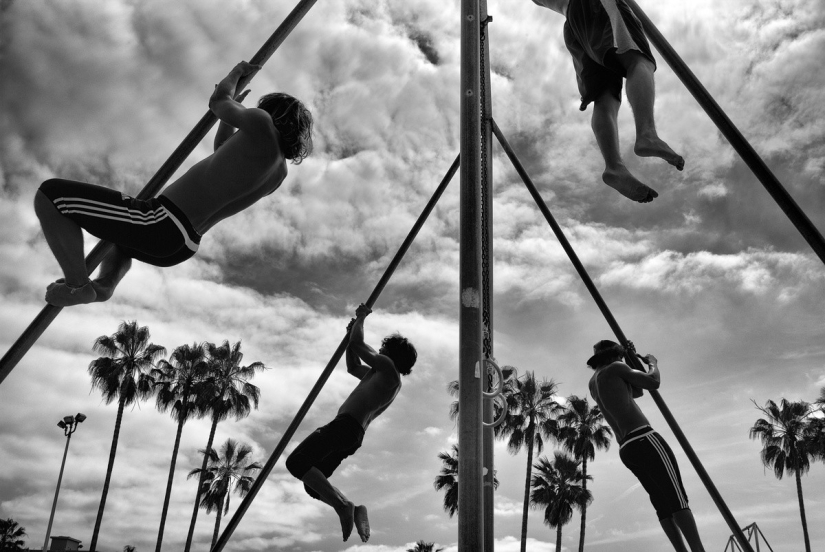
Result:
43,206
637,62
296,466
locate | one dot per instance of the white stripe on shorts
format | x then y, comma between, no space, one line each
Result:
674,479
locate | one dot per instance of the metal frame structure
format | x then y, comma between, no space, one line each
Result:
754,532
475,531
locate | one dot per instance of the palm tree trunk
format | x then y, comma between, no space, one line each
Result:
527,492
200,484
112,453
558,538
217,525
584,506
802,512
169,481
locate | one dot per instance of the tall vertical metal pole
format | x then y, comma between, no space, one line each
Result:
470,458
488,435
57,492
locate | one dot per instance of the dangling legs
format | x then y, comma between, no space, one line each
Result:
641,93
687,524
348,513
673,534
606,129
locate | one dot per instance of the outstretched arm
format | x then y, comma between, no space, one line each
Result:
232,113
225,131
640,380
366,353
354,365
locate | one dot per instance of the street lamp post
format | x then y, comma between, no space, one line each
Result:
69,425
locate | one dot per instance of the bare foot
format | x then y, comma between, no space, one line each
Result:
655,147
621,180
362,524
347,517
103,289
61,294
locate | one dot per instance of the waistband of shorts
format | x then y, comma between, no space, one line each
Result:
635,435
181,221
349,418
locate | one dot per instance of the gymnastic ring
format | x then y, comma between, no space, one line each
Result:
500,386
501,416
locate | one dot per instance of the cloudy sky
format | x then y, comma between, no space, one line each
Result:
711,277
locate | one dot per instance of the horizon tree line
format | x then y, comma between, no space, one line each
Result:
201,380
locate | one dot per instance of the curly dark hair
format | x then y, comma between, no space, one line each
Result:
401,352
294,123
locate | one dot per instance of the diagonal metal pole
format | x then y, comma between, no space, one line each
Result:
33,332
614,325
752,159
313,394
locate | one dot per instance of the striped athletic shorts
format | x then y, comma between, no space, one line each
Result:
649,457
153,231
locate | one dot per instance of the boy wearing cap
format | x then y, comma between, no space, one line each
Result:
614,386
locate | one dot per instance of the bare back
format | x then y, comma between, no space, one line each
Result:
614,395
242,171
373,395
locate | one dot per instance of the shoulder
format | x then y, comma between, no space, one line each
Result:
386,367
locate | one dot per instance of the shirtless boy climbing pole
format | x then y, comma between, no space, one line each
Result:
317,457
607,43
248,164
614,386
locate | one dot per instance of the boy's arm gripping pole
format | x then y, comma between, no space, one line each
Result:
31,334
313,394
614,325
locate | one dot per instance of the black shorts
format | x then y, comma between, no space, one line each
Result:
595,32
153,231
326,448
648,456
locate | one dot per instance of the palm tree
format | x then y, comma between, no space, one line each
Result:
581,431
785,436
122,374
11,535
531,419
422,546
223,470
180,387
448,480
229,394
558,487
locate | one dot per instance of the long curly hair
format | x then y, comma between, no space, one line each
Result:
401,352
294,124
